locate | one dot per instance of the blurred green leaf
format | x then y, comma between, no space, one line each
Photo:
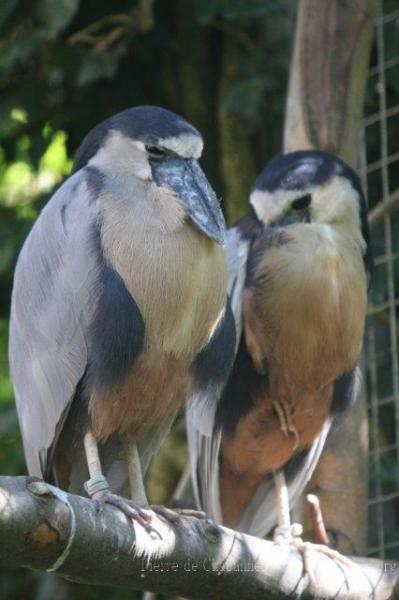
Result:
208,10
55,159
19,115
247,99
15,181
20,49
20,183
6,8
56,15
98,66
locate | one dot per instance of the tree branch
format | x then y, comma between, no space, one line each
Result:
383,208
44,528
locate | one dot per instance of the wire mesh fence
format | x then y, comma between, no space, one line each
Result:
380,173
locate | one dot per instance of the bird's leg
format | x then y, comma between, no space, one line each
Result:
289,533
97,484
98,489
135,475
320,534
137,487
285,530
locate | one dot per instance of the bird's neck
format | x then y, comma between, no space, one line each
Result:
176,275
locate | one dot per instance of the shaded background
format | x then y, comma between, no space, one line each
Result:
223,64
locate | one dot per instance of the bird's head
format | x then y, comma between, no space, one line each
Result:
310,186
156,146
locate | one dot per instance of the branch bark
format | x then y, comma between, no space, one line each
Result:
328,76
383,208
44,528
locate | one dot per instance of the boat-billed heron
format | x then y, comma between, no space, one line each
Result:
298,278
118,306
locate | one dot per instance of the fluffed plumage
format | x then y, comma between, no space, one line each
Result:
119,294
298,272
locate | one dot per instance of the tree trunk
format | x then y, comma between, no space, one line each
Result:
238,165
324,110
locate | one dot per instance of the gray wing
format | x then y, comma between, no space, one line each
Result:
51,308
203,443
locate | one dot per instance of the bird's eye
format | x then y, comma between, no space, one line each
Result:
302,202
155,152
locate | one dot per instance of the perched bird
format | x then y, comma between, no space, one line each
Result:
118,306
298,277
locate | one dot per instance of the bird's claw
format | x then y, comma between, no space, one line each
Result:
175,515
131,510
290,536
98,490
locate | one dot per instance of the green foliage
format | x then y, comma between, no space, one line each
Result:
55,15
5,384
11,460
231,10
66,65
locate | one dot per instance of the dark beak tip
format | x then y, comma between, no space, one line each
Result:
221,239
220,233
217,235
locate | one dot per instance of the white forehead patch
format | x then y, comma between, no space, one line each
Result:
272,206
335,203
186,145
122,155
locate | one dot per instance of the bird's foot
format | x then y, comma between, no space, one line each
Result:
285,413
176,515
290,535
98,490
131,510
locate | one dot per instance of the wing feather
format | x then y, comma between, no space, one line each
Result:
203,441
260,516
51,307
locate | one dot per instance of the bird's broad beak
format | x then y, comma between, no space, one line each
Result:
187,180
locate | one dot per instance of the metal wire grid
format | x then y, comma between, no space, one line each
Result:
380,173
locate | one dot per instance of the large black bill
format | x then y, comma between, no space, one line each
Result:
186,178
